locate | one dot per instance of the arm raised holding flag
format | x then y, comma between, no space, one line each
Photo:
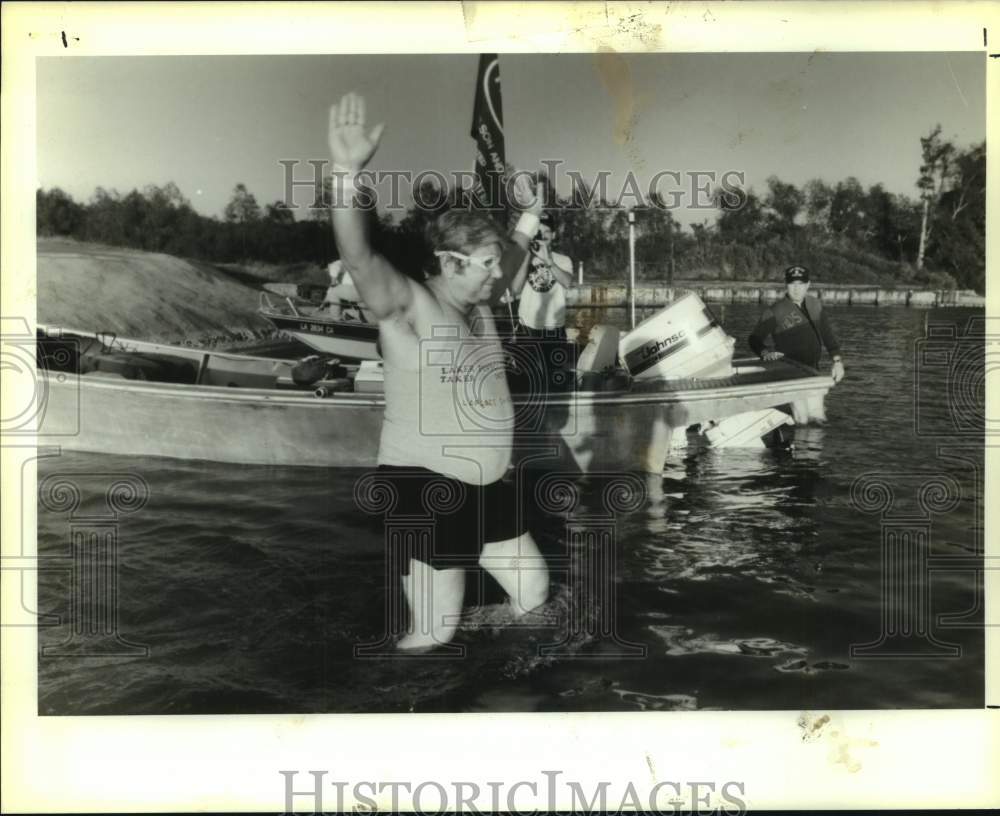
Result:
516,252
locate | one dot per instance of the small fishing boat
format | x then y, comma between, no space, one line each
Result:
342,329
101,393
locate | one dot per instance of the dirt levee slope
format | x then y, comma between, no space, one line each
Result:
143,295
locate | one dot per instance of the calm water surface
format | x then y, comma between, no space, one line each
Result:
741,581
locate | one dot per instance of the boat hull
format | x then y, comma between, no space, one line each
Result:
576,432
346,339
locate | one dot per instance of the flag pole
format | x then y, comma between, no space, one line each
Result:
490,165
631,265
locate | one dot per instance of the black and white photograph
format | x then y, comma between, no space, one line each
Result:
488,383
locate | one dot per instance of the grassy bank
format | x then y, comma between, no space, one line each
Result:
145,295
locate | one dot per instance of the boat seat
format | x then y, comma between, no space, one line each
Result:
132,366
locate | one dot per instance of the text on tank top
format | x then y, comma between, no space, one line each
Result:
451,411
543,299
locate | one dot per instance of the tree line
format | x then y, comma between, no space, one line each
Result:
161,219
846,233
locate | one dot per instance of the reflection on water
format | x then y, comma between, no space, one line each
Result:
730,509
739,581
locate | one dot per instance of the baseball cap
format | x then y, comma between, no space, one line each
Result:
796,273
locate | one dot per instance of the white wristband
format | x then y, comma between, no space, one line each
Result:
527,224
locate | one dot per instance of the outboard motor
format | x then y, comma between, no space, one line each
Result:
681,340
314,368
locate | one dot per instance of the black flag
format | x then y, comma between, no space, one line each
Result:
487,130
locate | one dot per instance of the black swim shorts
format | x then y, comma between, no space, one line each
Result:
445,522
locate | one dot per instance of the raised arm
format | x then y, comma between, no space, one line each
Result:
514,263
385,290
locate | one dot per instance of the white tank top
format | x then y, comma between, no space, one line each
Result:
543,298
451,412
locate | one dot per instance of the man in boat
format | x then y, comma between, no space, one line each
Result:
542,282
342,298
447,435
799,328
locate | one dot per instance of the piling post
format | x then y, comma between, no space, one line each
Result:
631,265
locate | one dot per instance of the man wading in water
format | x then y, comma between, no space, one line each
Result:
447,434
800,328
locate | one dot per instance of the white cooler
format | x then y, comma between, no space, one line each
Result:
370,378
681,340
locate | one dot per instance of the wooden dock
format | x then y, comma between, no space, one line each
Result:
598,295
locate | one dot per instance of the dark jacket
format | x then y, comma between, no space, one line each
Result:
799,332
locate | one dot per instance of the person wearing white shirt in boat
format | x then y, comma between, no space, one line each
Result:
542,283
447,436
342,296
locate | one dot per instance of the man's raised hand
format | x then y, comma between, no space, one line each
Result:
350,146
526,199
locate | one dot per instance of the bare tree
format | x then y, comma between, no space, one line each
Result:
937,155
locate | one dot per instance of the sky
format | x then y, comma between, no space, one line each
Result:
208,123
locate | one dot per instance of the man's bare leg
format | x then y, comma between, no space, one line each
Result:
520,569
435,601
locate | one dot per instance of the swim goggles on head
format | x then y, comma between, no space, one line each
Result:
488,263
